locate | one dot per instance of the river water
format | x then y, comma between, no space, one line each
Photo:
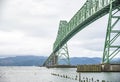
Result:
42,74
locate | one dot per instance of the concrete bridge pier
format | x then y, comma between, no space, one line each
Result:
110,67
99,68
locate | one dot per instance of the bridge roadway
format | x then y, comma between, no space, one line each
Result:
90,12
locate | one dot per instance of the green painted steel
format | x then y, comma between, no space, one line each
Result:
110,48
63,55
90,11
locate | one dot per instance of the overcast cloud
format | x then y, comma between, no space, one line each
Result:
29,27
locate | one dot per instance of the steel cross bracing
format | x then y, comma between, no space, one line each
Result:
63,56
90,11
112,41
62,53
53,60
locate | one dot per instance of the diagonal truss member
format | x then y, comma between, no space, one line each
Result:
63,56
112,44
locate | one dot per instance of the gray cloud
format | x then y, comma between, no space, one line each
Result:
37,22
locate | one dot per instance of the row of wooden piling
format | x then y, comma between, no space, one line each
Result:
92,80
78,78
65,76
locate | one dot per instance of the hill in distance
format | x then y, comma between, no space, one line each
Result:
22,61
39,60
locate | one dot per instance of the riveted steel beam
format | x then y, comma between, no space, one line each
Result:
110,48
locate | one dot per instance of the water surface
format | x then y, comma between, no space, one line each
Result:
42,74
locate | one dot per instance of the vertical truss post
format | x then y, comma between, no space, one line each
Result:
112,47
55,59
63,55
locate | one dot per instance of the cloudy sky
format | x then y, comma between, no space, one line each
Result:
29,27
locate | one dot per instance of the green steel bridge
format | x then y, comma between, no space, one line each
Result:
88,13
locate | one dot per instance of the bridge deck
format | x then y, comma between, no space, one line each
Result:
91,11
75,25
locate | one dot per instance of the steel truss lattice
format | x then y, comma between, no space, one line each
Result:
112,44
63,56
